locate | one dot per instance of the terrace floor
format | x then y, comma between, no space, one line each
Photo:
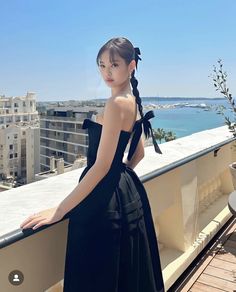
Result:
214,269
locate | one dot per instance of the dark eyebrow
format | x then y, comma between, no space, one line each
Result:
113,60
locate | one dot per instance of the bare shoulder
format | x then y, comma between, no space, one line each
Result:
122,108
113,110
113,106
114,103
117,103
123,101
119,99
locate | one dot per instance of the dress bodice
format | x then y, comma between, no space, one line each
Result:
94,133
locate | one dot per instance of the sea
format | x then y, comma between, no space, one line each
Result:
190,115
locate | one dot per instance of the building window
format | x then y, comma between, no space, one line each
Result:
16,173
11,146
15,136
15,155
11,156
16,110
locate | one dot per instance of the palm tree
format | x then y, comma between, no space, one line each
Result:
159,134
169,136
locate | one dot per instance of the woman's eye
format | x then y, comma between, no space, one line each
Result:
102,66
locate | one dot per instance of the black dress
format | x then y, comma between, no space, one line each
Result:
111,244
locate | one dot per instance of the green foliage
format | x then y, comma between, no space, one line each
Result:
220,83
160,134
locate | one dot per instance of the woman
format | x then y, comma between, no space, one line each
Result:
111,244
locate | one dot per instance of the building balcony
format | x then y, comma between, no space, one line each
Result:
188,188
60,119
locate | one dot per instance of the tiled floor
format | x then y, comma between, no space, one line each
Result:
216,270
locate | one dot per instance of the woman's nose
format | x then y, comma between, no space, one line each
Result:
108,72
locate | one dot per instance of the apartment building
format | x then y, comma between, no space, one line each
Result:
62,136
19,138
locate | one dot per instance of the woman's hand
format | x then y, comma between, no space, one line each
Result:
44,217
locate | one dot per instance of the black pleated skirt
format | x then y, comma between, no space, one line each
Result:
111,243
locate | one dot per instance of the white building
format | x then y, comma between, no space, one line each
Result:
62,135
19,138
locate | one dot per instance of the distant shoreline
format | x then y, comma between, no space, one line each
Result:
174,105
185,98
145,98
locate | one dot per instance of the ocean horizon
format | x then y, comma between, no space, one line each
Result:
181,115
189,116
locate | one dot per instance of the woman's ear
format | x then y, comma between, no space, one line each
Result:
132,65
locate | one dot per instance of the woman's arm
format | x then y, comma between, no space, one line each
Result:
137,156
85,186
112,122
133,162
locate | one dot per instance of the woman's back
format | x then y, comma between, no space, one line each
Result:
112,245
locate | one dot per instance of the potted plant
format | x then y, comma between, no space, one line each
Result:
220,79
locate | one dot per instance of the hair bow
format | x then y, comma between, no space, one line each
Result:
137,53
147,127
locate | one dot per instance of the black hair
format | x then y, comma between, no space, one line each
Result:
124,48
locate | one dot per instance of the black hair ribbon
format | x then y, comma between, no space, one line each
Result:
137,53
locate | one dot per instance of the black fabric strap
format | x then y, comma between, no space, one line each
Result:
147,127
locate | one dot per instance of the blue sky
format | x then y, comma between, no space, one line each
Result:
50,47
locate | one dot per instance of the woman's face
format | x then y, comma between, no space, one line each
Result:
116,73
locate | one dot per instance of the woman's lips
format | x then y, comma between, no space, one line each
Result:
109,80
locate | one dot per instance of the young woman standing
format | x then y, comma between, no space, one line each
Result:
111,244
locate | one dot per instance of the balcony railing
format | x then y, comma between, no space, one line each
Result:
188,187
